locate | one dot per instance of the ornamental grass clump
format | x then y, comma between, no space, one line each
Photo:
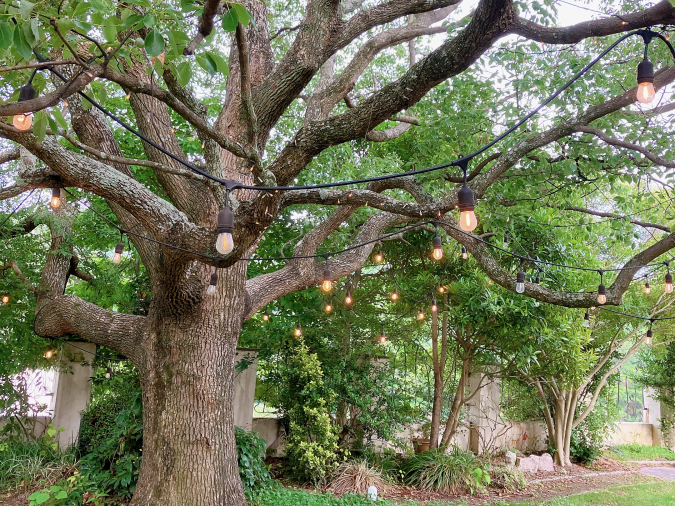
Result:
446,471
356,477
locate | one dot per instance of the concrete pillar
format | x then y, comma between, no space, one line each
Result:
72,390
246,368
482,411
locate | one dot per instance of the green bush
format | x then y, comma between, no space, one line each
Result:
254,474
588,438
446,471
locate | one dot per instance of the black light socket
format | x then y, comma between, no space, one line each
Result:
225,221
645,72
214,279
602,290
437,242
119,248
520,277
465,198
669,278
27,92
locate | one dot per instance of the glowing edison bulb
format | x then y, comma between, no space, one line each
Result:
117,257
646,93
441,289
49,354
266,316
648,289
383,337
5,299
108,373
348,299
468,221
329,307
465,255
327,285
648,337
55,202
420,315
298,331
22,121
225,243
379,257
602,298
434,307
669,283
394,295
438,248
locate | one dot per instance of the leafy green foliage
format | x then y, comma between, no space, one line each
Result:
588,438
446,471
254,474
287,497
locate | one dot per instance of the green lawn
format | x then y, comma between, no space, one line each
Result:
652,494
635,451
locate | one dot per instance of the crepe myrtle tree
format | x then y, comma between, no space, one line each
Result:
184,347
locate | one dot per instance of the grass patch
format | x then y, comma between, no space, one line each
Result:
287,497
635,451
652,494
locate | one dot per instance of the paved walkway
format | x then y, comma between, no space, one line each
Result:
665,473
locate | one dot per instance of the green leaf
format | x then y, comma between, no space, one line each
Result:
131,20
30,32
21,45
6,30
230,20
245,17
39,497
154,43
184,73
56,113
149,20
65,25
40,126
207,63
61,495
110,33
220,63
25,8
81,8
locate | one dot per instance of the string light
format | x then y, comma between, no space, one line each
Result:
119,249
55,201
520,281
441,289
467,217
394,295
602,294
420,315
465,255
587,320
348,298
25,121
438,247
5,299
434,306
506,240
327,284
645,78
298,330
648,289
225,243
379,257
650,334
383,337
537,281
329,306
49,354
669,280
211,290
108,373
266,316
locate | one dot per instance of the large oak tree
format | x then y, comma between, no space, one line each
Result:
184,346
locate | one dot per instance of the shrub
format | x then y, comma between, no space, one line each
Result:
447,472
588,438
507,477
356,476
251,449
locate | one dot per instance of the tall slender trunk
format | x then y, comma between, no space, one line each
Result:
438,369
187,377
456,409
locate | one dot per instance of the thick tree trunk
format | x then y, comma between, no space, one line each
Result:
565,404
438,384
189,451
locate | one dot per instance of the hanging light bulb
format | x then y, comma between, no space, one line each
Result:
49,354
108,372
329,306
119,249
266,316
24,121
379,257
441,289
5,299
669,282
506,240
602,294
348,298
467,217
420,315
225,243
465,255
55,201
648,289
645,79
520,281
438,248
327,284
587,320
383,337
649,335
537,281
211,290
394,295
298,330
434,306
